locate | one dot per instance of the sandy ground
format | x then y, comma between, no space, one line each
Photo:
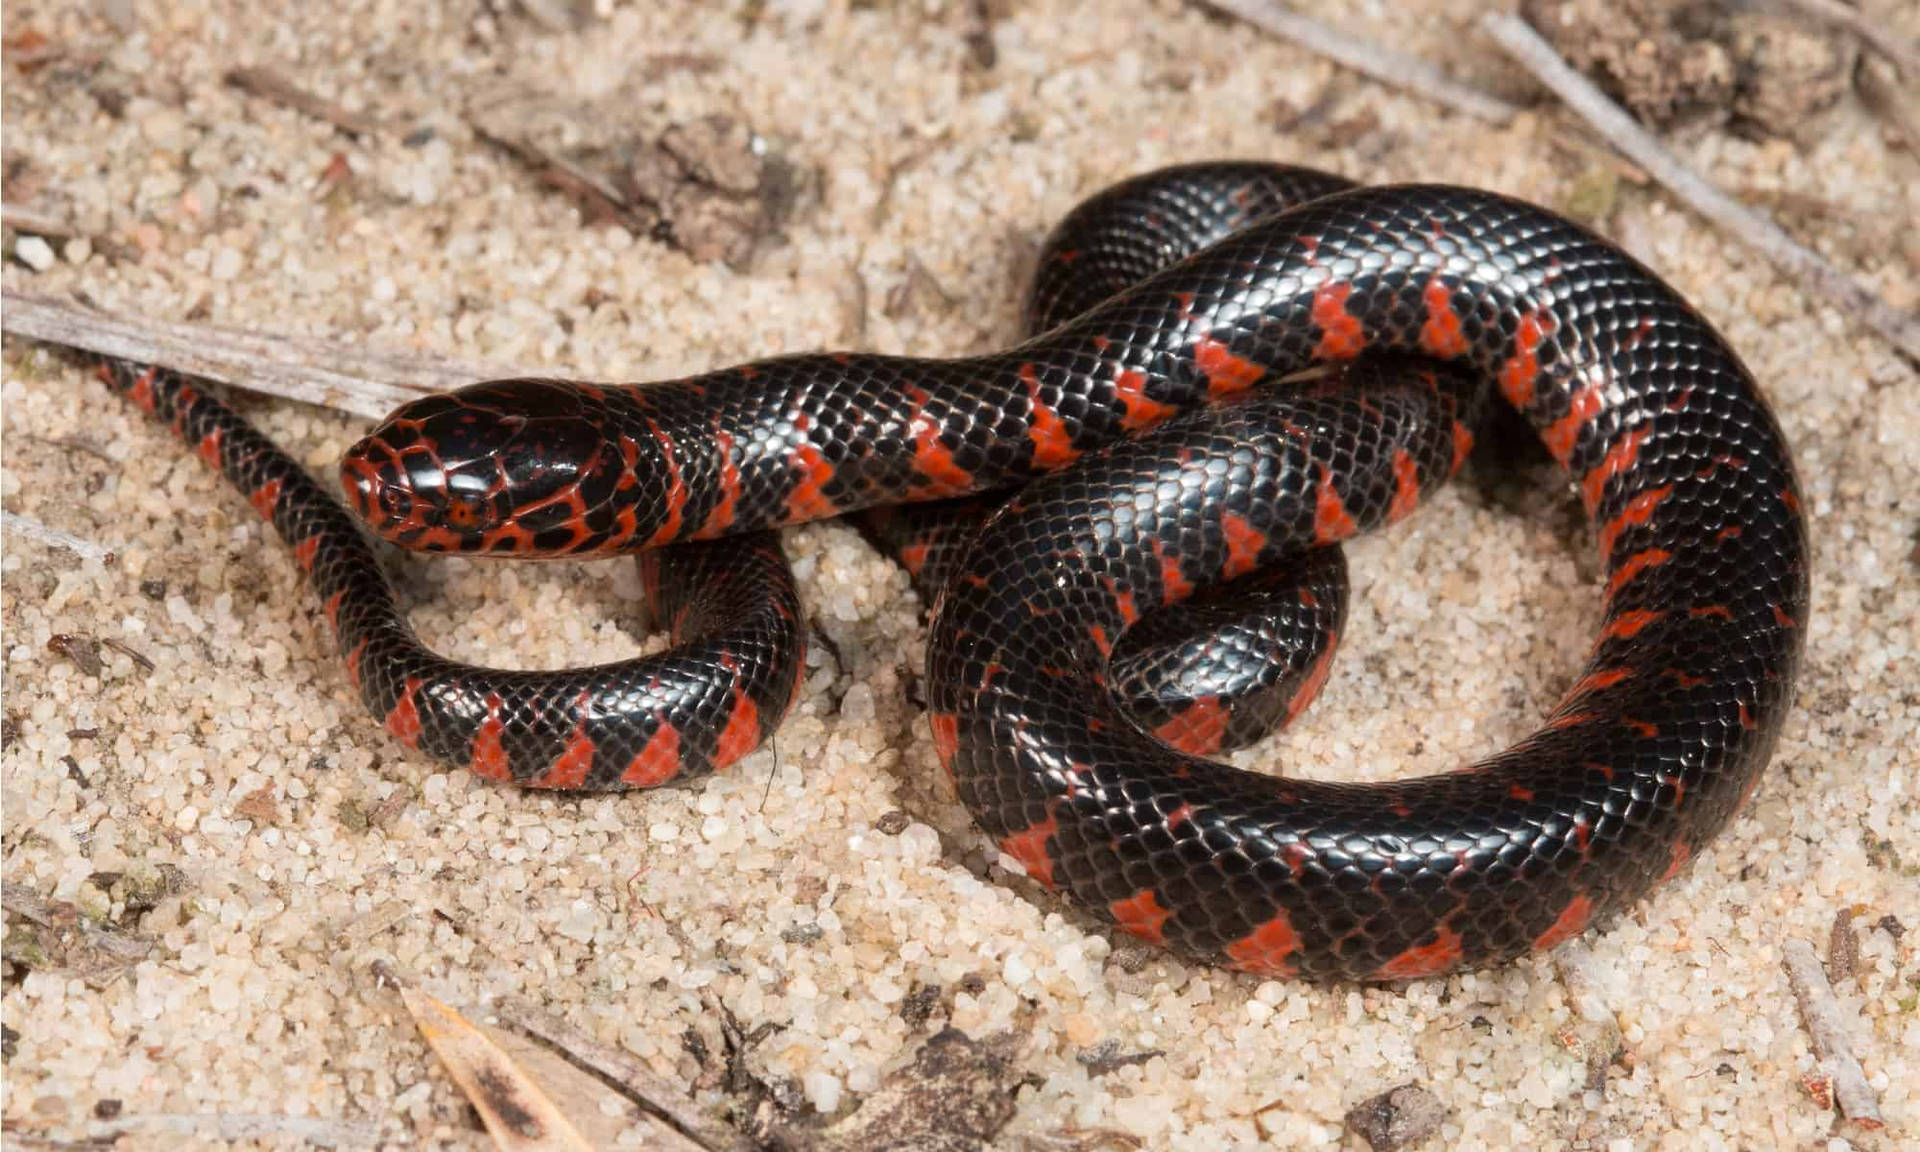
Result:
240,843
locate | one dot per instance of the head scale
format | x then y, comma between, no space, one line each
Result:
509,467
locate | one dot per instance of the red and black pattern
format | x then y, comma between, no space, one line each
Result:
1219,671
1654,747
730,606
1238,461
1238,660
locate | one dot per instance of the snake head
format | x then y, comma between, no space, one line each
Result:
509,467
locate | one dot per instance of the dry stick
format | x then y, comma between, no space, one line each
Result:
1904,55
597,196
632,1079
21,218
270,85
1826,1027
1390,68
53,537
552,17
333,374
1821,279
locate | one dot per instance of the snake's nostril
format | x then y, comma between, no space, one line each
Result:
465,510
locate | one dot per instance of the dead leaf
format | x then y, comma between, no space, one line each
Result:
517,1112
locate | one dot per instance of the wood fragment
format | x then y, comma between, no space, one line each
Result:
953,1093
1843,947
857,294
73,444
21,218
1827,1029
1394,69
270,85
22,901
364,927
1079,1140
32,529
1398,1118
1821,280
347,376
625,1074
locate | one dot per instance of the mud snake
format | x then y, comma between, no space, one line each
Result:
1237,366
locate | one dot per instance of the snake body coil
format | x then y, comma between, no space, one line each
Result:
1182,441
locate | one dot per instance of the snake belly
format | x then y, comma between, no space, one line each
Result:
1182,451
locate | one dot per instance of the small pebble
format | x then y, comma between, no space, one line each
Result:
34,252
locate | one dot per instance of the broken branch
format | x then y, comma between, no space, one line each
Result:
1394,69
349,377
1826,1029
270,85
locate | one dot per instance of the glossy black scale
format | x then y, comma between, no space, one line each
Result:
1221,670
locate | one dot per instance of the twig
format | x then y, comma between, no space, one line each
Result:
1820,278
270,85
19,1137
25,903
625,1074
1393,69
53,537
333,374
21,218
132,654
1903,54
595,195
1827,1030
551,16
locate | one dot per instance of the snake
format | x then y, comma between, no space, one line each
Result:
1233,367
730,607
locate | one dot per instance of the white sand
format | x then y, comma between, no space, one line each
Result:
312,844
